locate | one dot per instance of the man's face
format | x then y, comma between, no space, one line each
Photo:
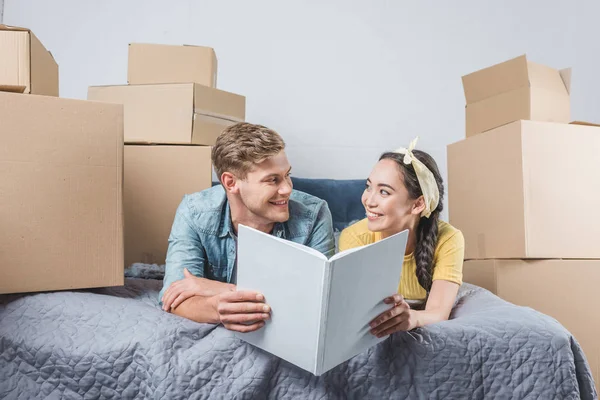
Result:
267,188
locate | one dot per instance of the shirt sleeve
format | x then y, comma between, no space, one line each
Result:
185,249
348,239
321,237
449,259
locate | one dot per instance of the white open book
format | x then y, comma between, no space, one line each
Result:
321,308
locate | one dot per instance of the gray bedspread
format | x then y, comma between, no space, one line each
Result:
117,343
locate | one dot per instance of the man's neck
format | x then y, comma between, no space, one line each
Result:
241,215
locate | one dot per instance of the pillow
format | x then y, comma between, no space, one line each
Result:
342,196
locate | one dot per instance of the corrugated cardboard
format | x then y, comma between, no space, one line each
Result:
181,113
564,289
156,179
527,190
513,90
26,66
159,63
61,175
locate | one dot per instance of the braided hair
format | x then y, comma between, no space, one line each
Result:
427,230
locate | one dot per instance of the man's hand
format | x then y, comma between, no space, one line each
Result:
242,311
189,286
399,318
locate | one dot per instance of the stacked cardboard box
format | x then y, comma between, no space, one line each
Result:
61,165
173,114
523,189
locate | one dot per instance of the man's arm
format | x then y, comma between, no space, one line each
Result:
321,237
186,252
242,311
199,309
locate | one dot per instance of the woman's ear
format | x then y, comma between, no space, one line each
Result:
229,182
418,206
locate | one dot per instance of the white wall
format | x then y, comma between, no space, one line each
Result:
341,80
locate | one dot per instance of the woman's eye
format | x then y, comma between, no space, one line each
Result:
384,192
367,187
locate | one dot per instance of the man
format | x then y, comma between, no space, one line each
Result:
256,191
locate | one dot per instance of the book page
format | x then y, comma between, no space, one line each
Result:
359,282
345,252
291,280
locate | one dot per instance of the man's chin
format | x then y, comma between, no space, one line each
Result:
279,216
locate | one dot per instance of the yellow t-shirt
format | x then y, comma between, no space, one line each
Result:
447,259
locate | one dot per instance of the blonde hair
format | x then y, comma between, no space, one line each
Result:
242,145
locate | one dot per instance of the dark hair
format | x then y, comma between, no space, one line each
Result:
427,230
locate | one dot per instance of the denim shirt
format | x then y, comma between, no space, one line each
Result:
203,240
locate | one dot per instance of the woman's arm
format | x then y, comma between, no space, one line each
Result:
439,304
402,318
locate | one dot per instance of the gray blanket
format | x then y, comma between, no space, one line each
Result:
117,343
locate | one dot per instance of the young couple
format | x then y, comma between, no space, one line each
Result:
403,191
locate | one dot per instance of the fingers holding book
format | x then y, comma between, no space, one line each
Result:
243,311
398,318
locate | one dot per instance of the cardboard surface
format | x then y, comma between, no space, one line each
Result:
515,89
159,63
564,289
26,63
61,170
156,179
523,190
173,113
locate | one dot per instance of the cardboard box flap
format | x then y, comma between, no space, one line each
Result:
542,76
499,78
565,75
583,123
12,88
219,103
514,74
13,28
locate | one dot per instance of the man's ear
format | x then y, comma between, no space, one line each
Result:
229,182
418,206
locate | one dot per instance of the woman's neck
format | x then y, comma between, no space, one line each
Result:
411,243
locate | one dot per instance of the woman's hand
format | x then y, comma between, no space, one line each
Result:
399,318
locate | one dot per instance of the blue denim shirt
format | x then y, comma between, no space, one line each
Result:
203,239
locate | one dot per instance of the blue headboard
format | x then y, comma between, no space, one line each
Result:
342,196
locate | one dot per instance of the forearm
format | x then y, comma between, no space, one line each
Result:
199,309
211,288
426,317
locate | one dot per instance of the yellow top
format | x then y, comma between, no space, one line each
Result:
447,260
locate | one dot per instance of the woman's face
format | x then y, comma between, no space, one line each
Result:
386,200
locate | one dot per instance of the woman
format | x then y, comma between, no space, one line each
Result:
405,191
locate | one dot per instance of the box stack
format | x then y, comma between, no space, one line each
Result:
523,189
173,114
61,188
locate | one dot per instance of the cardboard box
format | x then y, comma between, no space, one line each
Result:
513,90
564,289
159,63
25,64
156,179
527,190
61,188
183,113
